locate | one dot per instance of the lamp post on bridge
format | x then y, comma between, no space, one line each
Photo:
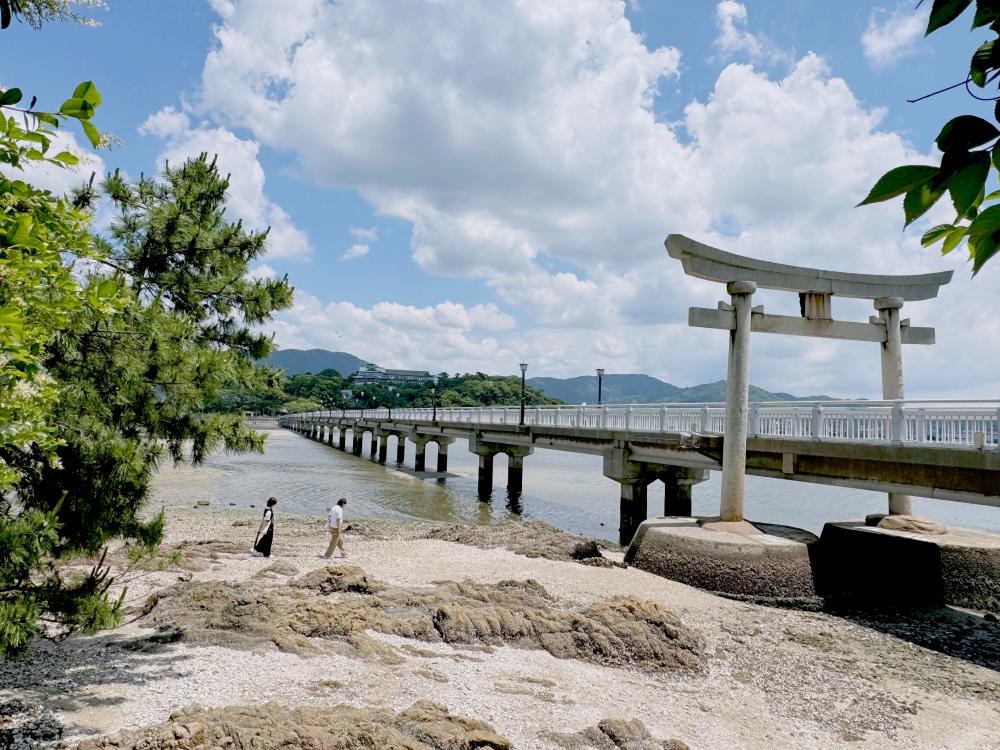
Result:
524,369
362,404
600,379
434,401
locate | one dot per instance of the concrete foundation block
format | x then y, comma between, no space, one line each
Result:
960,567
771,566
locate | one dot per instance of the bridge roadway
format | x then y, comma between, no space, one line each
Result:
944,450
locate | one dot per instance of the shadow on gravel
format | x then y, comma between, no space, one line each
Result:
55,673
963,635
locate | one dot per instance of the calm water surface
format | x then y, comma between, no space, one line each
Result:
567,490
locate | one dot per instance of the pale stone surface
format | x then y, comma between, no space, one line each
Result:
912,523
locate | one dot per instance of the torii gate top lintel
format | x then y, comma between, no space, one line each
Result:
707,262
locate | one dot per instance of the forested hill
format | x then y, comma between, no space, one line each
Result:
299,361
644,389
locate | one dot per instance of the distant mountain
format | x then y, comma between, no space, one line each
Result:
615,389
298,361
644,389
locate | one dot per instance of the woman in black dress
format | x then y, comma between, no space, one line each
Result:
265,534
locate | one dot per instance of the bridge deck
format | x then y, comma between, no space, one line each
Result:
945,450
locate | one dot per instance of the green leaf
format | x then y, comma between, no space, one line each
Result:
88,92
92,134
47,118
944,12
67,158
985,247
987,222
968,184
964,132
79,108
934,234
10,96
986,12
898,181
982,62
919,200
952,240
992,196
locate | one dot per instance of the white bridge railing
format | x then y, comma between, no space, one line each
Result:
972,423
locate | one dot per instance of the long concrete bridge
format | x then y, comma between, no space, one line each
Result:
948,450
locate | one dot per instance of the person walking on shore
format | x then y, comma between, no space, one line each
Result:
265,534
336,527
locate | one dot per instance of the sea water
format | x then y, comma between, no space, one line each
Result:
567,490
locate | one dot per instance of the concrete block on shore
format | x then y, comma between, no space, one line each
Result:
771,566
959,567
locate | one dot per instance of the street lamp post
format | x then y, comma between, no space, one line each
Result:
434,401
390,402
600,379
362,404
524,369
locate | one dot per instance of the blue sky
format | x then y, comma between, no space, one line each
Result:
463,185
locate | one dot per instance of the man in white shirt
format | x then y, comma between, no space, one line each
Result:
335,523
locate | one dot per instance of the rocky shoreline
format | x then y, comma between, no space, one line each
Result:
434,635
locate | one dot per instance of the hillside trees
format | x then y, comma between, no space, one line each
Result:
969,146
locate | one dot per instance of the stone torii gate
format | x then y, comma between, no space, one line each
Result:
816,288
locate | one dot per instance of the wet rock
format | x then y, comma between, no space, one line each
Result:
913,524
585,550
614,734
279,568
423,726
338,578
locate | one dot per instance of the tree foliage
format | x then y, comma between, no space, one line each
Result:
131,382
38,12
969,146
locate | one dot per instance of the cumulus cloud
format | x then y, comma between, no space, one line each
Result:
519,140
355,251
734,39
893,36
247,199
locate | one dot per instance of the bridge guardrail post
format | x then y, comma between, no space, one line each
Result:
921,426
897,423
706,419
816,431
663,419
628,418
602,419
755,419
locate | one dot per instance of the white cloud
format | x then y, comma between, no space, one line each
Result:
893,36
546,175
369,234
355,251
237,157
263,271
733,38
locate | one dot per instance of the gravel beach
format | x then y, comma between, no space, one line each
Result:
695,669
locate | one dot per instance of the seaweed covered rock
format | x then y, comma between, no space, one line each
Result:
622,631
423,726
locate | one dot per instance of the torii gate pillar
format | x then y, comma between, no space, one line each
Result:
734,450
892,375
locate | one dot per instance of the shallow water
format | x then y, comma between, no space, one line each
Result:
567,490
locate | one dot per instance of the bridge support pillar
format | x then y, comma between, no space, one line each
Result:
633,477
342,437
892,378
485,487
383,445
420,441
442,460
329,434
357,441
400,448
373,448
677,484
515,468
